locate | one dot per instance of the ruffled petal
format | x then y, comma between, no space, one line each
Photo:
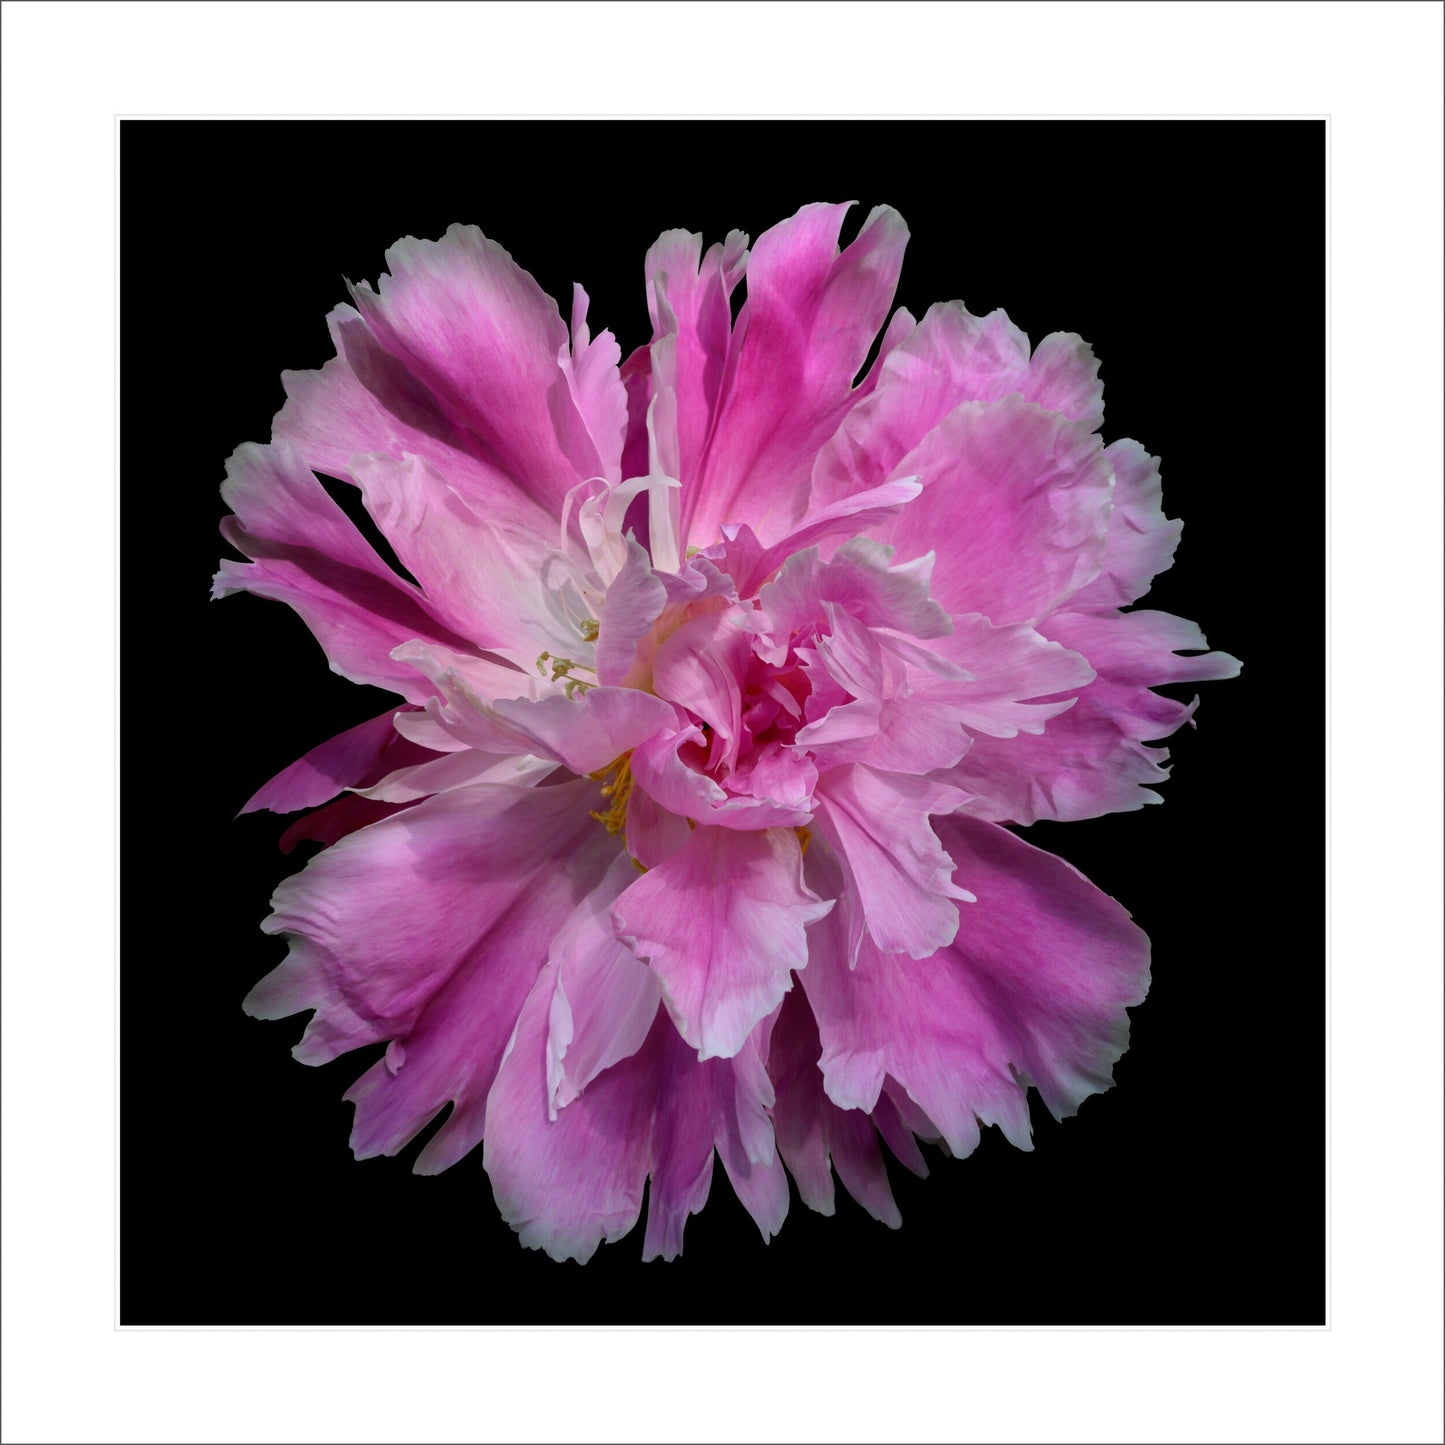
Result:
490,346
566,1180
1033,990
722,922
1002,482
899,879
604,1001
949,358
1092,759
366,400
1141,539
443,900
567,1183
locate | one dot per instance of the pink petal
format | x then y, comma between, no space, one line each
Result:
568,1182
899,878
810,318
365,400
1002,482
596,388
487,582
306,552
485,341
428,899
589,730
662,775
722,923
952,357
1034,989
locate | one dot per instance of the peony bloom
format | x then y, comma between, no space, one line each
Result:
720,675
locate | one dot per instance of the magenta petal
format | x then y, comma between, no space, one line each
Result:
811,315
485,340
688,298
723,924
329,767
365,400
811,1129
1033,990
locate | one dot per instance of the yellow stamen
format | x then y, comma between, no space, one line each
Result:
616,778
805,836
589,629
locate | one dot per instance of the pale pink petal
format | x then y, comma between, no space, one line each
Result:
568,1182
899,879
1141,538
950,357
1064,376
810,317
587,731
307,553
485,339
751,564
1009,670
597,390
633,603
604,1001
487,582
723,924
1033,990
456,770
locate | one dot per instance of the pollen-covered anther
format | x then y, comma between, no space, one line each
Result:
616,780
589,628
562,669
805,836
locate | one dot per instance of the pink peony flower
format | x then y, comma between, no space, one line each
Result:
720,676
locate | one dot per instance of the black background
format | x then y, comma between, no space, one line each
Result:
1191,254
